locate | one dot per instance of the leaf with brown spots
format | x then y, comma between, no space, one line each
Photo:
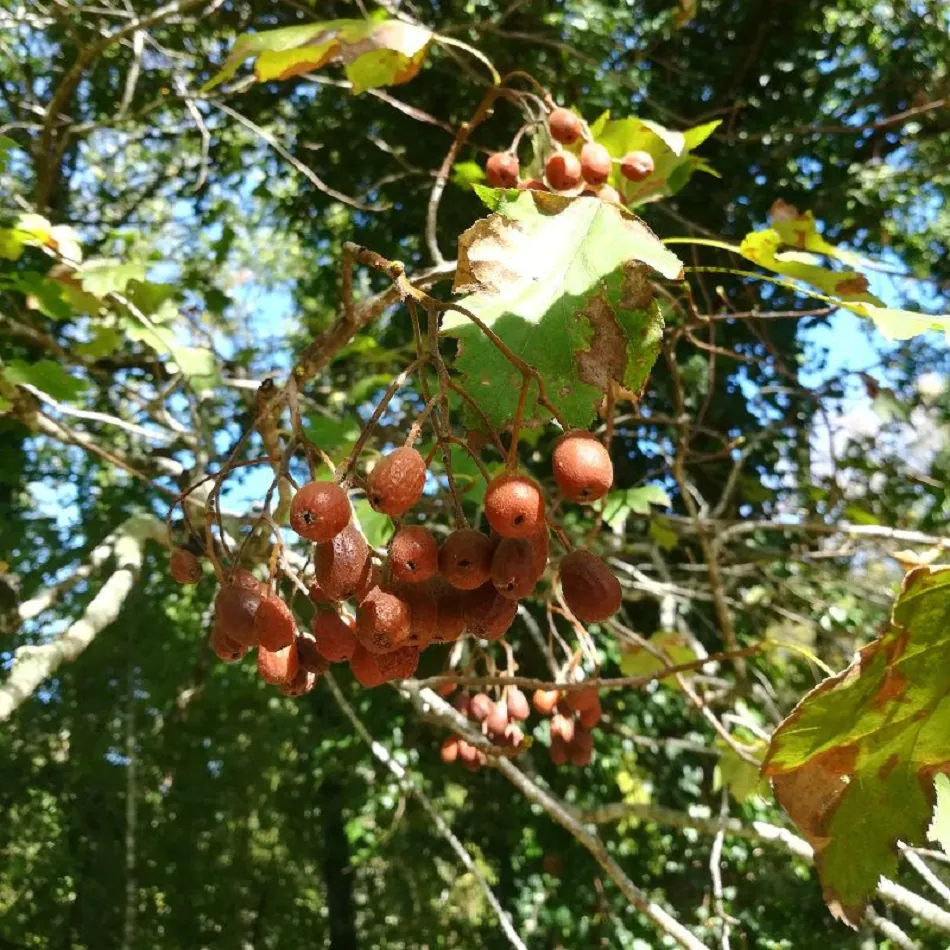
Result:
566,283
375,51
855,762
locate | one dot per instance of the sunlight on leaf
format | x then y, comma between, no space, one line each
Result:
47,376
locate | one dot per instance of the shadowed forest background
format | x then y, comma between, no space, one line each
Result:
155,798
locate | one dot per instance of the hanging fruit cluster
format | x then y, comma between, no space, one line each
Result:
498,722
570,162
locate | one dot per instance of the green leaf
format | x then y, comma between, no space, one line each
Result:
7,145
103,276
198,364
741,777
467,174
377,527
854,764
375,51
638,661
663,534
939,830
5,405
33,230
334,436
670,150
561,282
105,340
857,515
43,294
45,375
619,504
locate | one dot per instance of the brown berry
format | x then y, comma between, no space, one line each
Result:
274,623
480,707
365,669
370,580
235,606
308,656
465,558
532,184
423,613
565,126
449,751
302,683
396,483
595,163
383,621
317,594
184,567
590,716
590,588
558,750
413,554
319,511
514,505
343,564
518,707
398,664
562,726
539,545
467,752
224,647
497,719
545,700
501,170
581,748
334,640
461,702
635,166
563,171
582,467
513,568
277,667
577,700
451,613
488,615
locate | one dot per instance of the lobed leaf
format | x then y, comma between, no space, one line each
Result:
374,52
562,282
854,763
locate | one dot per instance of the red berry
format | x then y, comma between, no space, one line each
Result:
413,554
224,647
605,193
635,166
590,588
563,171
513,570
450,750
423,614
488,614
565,126
383,621
465,558
365,668
184,567
590,716
451,613
514,505
532,184
501,170
319,511
236,604
274,623
278,667
582,467
497,719
545,700
578,700
335,641
562,726
302,683
309,658
480,707
342,565
398,664
595,163
396,483
558,750
518,707
581,748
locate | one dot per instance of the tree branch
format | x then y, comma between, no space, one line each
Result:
34,664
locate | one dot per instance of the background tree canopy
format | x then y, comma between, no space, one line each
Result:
172,253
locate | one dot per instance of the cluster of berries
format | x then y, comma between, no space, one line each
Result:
421,592
576,165
498,721
573,714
